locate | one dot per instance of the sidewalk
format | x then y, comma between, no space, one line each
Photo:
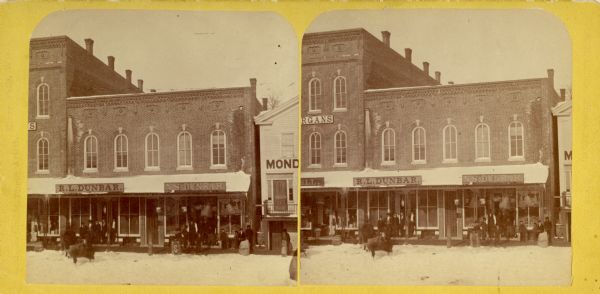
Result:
327,240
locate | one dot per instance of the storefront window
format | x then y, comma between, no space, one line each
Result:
172,215
231,215
529,211
352,209
129,216
378,206
80,213
427,209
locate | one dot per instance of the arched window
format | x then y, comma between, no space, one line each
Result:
339,92
388,146
121,151
152,152
340,148
315,149
184,150
482,142
418,144
43,100
515,134
449,135
314,94
90,149
219,147
42,155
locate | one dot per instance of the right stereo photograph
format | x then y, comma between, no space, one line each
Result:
436,148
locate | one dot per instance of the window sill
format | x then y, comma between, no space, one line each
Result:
220,166
314,166
184,168
340,109
42,172
485,159
450,161
419,162
316,111
516,158
340,165
388,163
42,117
152,169
121,170
90,170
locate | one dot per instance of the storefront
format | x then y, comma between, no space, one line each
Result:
443,202
138,210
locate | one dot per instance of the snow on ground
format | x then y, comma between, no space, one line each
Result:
52,267
437,265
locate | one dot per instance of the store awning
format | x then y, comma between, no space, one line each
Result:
536,173
211,182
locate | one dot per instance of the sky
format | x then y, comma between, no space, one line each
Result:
469,46
179,50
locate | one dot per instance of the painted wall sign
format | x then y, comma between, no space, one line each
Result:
89,188
195,187
388,181
504,179
282,163
568,155
317,119
32,126
318,182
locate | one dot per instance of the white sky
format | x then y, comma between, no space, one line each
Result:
177,50
469,45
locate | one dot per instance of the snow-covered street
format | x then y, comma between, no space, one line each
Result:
52,267
437,265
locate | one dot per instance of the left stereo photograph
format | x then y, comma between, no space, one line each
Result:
162,149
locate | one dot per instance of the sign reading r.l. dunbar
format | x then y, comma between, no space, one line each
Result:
90,188
388,181
195,187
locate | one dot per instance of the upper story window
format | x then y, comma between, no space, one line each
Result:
418,145
121,152
340,148
43,100
449,135
315,149
516,142
482,142
339,93
287,145
43,151
184,150
152,151
219,148
314,95
388,146
90,149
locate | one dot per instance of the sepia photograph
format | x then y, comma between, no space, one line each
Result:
162,148
436,148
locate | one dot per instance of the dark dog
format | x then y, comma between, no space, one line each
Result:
379,243
81,250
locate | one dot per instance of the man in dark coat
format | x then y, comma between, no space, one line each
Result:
395,225
402,224
250,236
548,229
224,240
381,224
287,240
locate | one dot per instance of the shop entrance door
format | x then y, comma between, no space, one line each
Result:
280,195
153,222
275,229
452,216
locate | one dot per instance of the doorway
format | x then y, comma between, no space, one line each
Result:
452,216
154,225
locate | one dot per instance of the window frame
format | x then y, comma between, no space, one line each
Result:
343,149
37,145
314,98
116,153
392,145
218,164
311,150
179,159
47,101
510,150
129,214
428,207
87,169
343,95
283,144
489,156
445,157
146,151
424,144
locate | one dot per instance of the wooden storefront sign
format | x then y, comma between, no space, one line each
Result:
90,188
312,182
493,179
195,187
387,181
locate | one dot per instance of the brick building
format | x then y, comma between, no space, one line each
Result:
381,137
564,157
279,172
141,165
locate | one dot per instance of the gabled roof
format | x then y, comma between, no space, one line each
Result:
563,108
266,117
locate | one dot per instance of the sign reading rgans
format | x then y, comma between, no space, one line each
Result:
195,187
388,181
493,179
317,119
89,188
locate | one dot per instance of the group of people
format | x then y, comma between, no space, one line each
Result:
193,236
393,225
493,227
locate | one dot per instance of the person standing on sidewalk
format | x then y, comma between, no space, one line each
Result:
548,229
250,237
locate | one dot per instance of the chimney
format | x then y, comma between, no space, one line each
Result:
141,85
111,62
253,86
408,54
438,76
551,77
562,94
265,103
385,37
426,67
128,75
89,46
